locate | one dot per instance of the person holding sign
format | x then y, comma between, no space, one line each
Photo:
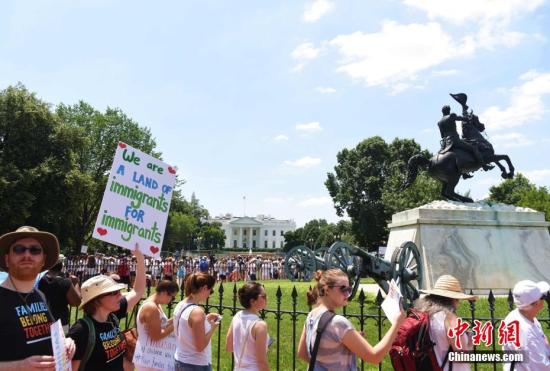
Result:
247,337
25,319
100,344
152,323
339,343
193,327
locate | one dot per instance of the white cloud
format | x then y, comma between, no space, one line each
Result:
315,201
305,51
526,103
304,162
316,9
397,53
280,138
463,11
309,127
511,140
298,68
445,72
326,90
538,176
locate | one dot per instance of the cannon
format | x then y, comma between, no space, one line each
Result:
405,266
301,262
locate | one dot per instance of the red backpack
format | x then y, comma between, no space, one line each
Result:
413,349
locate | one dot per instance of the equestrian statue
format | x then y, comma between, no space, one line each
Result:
458,157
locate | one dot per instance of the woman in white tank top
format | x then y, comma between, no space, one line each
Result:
193,327
152,324
247,337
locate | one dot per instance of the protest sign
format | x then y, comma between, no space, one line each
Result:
136,201
62,362
156,354
392,303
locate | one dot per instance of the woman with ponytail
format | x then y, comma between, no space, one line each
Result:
340,342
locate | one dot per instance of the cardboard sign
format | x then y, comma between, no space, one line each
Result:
136,201
392,303
84,249
156,354
62,362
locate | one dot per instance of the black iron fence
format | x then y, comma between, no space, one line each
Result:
368,311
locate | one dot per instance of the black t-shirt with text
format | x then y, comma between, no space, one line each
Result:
110,344
24,325
55,289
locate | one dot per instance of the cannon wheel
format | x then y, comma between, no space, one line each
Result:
407,271
321,252
300,264
339,256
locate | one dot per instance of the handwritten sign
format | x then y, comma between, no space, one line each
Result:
62,362
156,354
136,201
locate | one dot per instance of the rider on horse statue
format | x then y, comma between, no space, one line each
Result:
449,135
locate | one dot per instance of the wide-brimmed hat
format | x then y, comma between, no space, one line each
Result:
449,287
98,285
48,241
526,292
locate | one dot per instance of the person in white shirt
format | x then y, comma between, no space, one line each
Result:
247,337
529,300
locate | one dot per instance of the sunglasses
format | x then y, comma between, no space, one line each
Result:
114,293
33,250
343,289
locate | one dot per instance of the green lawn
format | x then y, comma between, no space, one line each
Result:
287,330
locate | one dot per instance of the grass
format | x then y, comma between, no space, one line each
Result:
287,335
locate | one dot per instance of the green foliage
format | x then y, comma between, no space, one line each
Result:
318,233
367,186
510,191
519,191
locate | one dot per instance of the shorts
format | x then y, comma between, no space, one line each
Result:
180,366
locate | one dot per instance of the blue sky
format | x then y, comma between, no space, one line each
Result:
256,98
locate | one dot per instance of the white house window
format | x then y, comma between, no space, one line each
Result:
265,233
282,232
253,232
234,244
273,244
274,232
265,244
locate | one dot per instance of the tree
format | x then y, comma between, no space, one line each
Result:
212,235
34,163
366,185
93,156
510,191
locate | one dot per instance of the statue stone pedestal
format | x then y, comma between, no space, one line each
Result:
485,247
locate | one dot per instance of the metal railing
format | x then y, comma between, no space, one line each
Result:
366,312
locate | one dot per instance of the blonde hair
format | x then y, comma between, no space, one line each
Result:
324,278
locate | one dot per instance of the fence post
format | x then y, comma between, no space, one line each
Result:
492,312
233,311
379,300
472,311
294,319
279,294
220,311
362,319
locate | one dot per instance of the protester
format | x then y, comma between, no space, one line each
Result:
60,294
104,305
193,327
25,319
529,300
180,273
441,304
247,337
152,323
340,342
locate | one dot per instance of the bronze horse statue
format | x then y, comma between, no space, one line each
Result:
449,166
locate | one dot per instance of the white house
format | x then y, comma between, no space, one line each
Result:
260,232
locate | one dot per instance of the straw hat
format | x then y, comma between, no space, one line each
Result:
48,241
449,287
98,285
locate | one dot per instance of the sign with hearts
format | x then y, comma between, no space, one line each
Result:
136,201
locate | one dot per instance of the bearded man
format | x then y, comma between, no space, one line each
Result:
25,319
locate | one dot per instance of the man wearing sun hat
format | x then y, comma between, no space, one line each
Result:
25,319
529,299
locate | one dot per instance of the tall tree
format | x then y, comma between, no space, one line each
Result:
510,191
366,185
93,158
34,162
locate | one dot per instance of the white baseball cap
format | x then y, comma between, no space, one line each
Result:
527,292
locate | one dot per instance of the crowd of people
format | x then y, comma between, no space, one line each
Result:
227,268
328,341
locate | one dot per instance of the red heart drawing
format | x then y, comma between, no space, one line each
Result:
121,145
102,231
154,249
171,170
